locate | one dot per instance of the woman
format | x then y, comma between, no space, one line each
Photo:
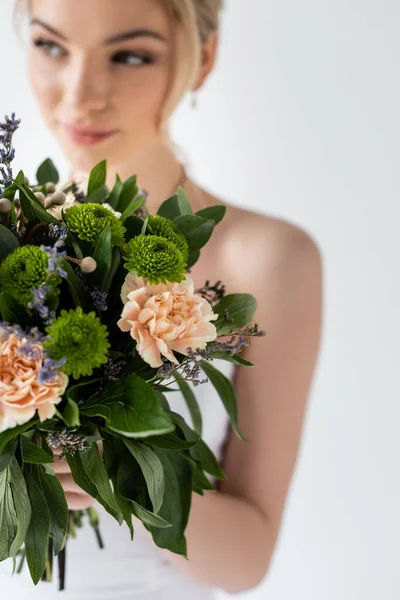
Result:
107,75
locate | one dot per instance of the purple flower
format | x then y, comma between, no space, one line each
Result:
50,369
7,152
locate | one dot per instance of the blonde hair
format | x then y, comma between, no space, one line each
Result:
198,19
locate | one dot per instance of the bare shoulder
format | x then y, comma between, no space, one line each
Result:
248,243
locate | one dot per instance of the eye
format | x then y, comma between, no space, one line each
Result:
132,59
49,48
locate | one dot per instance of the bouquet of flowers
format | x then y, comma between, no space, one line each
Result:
99,320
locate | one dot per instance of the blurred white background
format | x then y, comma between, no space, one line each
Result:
301,120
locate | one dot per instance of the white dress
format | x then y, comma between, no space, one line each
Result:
126,570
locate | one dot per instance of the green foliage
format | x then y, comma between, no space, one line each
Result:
234,312
226,392
129,407
47,173
8,243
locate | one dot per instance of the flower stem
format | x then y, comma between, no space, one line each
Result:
61,569
21,561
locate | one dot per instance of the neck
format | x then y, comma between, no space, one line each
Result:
158,172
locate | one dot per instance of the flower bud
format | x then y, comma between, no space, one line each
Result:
57,199
41,197
5,206
88,264
50,188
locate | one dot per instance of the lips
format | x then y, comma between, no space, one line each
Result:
90,135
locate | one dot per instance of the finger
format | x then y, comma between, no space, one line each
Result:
56,451
60,466
69,484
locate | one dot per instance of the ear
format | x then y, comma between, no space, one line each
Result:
208,58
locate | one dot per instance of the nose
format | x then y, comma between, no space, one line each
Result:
86,88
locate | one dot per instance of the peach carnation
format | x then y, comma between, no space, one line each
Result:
21,392
165,318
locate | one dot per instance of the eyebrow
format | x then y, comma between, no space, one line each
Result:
127,35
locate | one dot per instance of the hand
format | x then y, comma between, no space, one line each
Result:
77,499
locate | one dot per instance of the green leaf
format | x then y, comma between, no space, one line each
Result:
171,441
7,454
177,502
11,434
193,258
201,481
183,202
134,204
233,358
8,515
130,407
196,230
215,213
82,479
226,392
125,508
31,207
98,196
129,192
12,311
116,193
149,517
47,173
37,537
200,452
73,242
75,288
97,178
31,453
115,264
145,224
8,242
112,463
22,506
175,206
57,506
192,405
240,308
71,414
96,471
133,225
152,470
103,257
76,392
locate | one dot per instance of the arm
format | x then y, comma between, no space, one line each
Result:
232,533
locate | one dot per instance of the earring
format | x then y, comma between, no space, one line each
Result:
194,101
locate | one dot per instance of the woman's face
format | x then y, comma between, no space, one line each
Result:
101,70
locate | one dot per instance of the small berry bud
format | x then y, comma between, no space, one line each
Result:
88,264
41,197
5,206
57,199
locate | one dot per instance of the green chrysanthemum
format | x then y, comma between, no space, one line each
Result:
167,229
89,220
81,338
155,258
22,271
